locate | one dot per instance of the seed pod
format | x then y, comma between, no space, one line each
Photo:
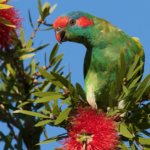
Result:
43,21
32,35
32,77
39,20
35,81
44,67
24,45
51,116
38,74
124,80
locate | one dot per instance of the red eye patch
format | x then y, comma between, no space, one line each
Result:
61,22
84,22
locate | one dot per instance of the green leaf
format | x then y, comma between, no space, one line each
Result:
29,44
6,22
32,67
53,52
60,78
124,147
66,100
4,6
113,111
45,111
144,141
14,96
22,104
58,57
55,109
46,29
41,123
23,57
30,113
41,47
52,8
134,82
45,10
6,141
135,71
131,69
19,142
49,25
139,92
132,146
122,62
53,139
146,133
125,90
30,18
80,91
40,7
43,94
49,98
12,71
2,1
63,115
56,66
142,125
45,132
50,77
124,131
22,36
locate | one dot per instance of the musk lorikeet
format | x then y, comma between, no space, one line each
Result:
103,42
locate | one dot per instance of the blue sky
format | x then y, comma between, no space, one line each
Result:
130,16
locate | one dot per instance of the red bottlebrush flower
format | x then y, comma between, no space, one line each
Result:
12,16
90,130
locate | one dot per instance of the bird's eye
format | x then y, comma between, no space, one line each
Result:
58,29
72,21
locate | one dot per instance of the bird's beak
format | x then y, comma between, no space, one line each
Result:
60,35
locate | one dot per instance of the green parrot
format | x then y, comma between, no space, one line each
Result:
103,42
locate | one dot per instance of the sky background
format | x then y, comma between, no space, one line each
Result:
130,16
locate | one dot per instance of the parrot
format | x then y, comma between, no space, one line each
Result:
103,42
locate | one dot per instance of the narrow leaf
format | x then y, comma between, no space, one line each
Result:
63,115
53,52
22,36
29,44
30,113
30,18
41,123
48,98
80,91
26,56
43,94
6,141
6,22
52,8
40,7
125,132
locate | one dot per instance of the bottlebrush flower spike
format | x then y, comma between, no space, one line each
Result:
8,15
90,129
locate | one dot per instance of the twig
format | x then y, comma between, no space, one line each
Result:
67,92
142,148
11,128
13,121
116,116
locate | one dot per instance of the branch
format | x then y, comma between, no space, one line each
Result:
142,148
116,116
67,92
144,99
13,121
11,128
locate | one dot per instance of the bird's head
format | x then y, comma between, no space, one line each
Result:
75,26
